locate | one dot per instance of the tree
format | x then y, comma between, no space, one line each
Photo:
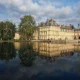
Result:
26,27
7,30
2,24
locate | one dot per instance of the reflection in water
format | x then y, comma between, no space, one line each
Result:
50,51
17,45
37,58
27,54
27,51
7,51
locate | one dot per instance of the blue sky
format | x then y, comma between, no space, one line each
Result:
62,11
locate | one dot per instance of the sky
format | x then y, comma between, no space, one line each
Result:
62,11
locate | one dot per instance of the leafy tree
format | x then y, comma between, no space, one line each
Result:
26,27
7,30
2,25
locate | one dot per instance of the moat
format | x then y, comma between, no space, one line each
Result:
39,61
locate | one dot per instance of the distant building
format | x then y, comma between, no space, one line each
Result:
36,34
77,34
17,36
52,31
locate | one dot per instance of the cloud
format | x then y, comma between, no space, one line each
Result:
39,9
67,21
77,9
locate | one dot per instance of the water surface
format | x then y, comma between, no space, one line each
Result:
39,61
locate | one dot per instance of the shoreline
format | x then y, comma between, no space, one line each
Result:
53,41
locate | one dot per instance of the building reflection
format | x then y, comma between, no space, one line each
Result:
17,45
27,51
51,51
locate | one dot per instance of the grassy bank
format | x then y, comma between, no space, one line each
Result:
54,41
15,40
10,40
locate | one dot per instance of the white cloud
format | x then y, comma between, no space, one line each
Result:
40,9
77,9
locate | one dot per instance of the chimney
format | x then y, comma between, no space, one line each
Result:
70,24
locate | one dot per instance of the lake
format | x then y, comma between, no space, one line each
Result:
39,61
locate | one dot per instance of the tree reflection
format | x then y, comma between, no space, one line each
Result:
27,54
7,51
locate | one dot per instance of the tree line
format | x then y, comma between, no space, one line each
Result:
25,28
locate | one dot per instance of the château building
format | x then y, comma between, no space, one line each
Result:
50,30
77,34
